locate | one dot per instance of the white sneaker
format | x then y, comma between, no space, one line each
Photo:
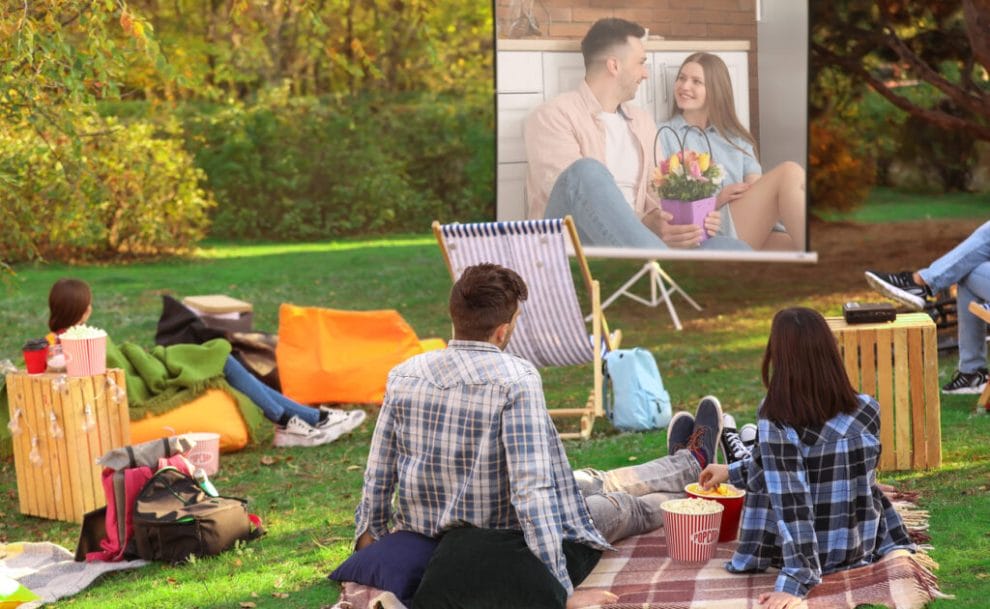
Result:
300,433
340,422
748,435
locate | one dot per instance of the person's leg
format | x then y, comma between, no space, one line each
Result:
972,331
586,190
959,261
778,195
272,403
620,515
668,474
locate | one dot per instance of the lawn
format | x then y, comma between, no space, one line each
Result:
307,496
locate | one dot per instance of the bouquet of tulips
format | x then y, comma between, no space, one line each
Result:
687,176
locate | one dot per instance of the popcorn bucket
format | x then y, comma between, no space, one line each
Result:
732,500
692,528
85,356
205,452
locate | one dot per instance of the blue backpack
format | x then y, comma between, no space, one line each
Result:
635,399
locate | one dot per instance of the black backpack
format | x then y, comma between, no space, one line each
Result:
175,519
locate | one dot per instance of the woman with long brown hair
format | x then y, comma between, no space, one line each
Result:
812,502
766,210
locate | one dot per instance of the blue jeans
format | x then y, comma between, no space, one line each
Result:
626,501
272,403
968,266
587,191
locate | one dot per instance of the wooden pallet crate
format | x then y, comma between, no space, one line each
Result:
897,362
62,426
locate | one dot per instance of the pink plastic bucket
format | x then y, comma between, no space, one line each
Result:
84,356
691,537
206,452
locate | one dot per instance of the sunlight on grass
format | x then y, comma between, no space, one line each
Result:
222,251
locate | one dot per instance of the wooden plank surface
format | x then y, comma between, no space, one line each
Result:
919,436
933,404
868,361
902,401
885,395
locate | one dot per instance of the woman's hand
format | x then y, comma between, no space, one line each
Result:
590,598
674,235
781,600
713,475
731,192
713,222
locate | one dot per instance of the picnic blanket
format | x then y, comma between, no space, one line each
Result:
48,570
644,577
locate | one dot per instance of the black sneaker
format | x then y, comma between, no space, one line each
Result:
732,445
967,382
981,310
708,426
679,430
901,287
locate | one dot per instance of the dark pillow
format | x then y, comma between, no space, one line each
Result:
495,569
394,563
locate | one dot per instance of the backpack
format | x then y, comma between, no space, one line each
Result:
174,518
635,399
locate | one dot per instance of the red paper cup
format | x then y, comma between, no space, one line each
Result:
691,537
36,360
733,504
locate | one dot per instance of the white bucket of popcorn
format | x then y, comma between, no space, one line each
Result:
85,350
205,452
692,528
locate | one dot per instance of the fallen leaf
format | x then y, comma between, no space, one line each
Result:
352,468
248,605
172,580
633,458
255,595
268,460
238,563
280,594
278,582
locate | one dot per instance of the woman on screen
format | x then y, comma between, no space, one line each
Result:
766,210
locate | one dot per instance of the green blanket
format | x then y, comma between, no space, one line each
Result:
167,377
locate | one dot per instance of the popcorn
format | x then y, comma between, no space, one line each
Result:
82,331
691,506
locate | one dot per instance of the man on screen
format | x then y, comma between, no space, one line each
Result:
590,153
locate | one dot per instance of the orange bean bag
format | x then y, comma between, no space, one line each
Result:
329,355
214,411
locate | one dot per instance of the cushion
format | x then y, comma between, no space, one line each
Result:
395,563
494,569
214,411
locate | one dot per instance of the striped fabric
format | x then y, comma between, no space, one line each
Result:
551,330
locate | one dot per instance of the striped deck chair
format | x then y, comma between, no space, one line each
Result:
551,329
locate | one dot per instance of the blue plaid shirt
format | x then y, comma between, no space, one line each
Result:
812,503
464,439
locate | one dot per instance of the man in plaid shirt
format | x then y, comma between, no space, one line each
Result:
464,439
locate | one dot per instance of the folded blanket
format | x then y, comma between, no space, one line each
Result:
166,377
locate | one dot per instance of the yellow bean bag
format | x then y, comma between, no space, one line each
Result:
329,355
214,411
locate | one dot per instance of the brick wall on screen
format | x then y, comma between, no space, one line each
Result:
672,19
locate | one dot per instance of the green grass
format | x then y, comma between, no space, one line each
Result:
890,205
307,496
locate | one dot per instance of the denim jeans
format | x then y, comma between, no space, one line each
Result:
626,501
587,191
968,266
272,403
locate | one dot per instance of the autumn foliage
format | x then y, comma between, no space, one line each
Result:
839,177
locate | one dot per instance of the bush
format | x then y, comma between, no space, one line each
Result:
839,177
112,191
304,168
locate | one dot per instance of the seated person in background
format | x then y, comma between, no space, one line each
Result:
590,153
752,203
70,302
464,439
812,502
968,266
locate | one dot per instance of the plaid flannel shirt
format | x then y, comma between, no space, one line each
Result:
464,439
812,503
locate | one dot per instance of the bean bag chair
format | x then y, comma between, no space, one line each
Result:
329,355
213,411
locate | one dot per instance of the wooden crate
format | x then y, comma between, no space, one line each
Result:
62,480
897,362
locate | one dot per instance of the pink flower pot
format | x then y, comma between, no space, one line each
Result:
690,212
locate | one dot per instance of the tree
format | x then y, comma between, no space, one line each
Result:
882,43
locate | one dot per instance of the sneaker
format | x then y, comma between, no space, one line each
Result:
901,287
981,310
732,445
708,427
967,382
299,433
748,436
679,431
341,422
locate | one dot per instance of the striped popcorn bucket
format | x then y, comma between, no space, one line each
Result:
85,356
692,528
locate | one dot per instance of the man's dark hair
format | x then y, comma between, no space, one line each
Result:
485,297
605,34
